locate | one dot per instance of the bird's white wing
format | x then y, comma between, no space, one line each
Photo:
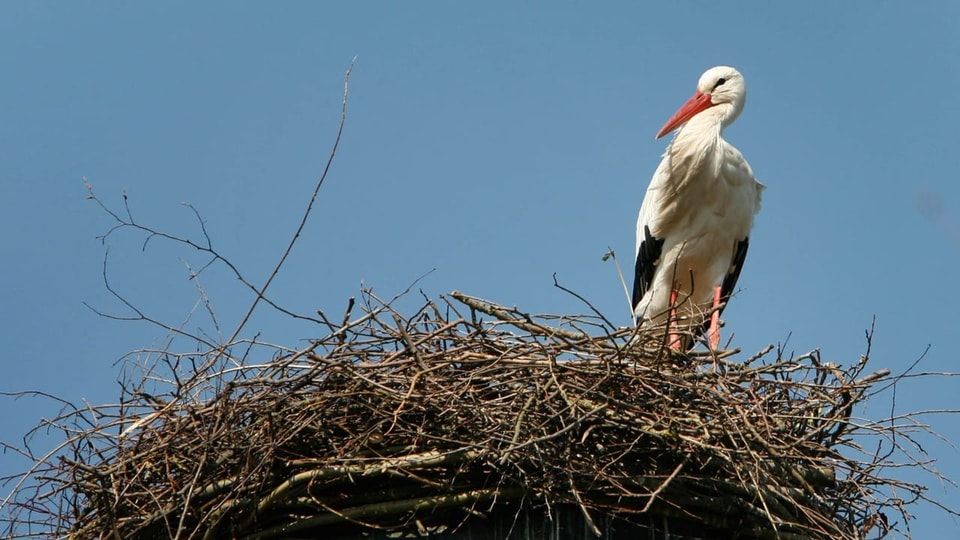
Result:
736,172
649,247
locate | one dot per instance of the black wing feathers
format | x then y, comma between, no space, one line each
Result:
729,282
647,259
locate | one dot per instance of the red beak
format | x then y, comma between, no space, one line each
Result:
694,105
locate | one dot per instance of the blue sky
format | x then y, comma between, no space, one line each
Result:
498,145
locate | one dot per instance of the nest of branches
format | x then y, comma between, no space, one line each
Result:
428,423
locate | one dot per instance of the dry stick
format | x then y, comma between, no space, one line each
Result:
140,315
409,394
366,524
559,432
584,300
388,508
303,220
518,426
411,347
663,485
766,350
189,496
208,248
611,254
371,315
427,459
583,508
508,317
346,317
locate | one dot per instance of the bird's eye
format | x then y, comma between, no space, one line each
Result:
720,81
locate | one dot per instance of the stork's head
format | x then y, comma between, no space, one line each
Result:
722,87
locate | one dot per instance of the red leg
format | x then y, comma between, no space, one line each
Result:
714,332
673,338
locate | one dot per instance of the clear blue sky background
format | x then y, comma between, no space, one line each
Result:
497,143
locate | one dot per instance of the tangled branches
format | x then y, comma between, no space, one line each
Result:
425,423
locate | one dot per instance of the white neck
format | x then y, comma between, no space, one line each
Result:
710,122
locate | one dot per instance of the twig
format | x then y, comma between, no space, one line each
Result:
306,213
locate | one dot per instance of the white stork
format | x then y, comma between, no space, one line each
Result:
695,220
